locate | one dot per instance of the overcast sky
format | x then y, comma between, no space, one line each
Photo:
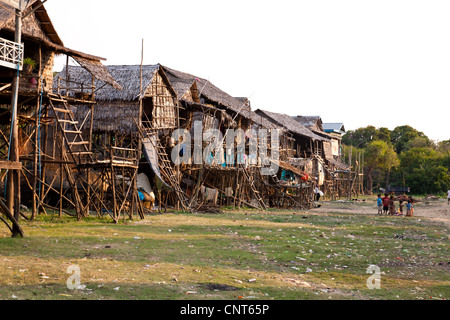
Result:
380,63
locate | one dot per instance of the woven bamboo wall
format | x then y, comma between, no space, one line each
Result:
163,114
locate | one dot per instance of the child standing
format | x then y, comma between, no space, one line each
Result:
385,203
400,207
409,209
391,206
380,205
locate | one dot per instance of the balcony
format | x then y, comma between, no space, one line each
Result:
11,54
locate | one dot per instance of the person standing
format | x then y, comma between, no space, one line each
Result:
400,207
317,193
409,208
380,205
448,197
391,206
385,203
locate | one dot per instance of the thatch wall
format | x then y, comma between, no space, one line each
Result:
116,116
117,108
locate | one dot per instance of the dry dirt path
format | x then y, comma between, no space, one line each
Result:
437,210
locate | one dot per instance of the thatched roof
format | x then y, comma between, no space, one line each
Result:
7,12
212,93
99,71
290,124
311,122
127,76
181,86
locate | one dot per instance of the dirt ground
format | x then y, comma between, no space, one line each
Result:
437,209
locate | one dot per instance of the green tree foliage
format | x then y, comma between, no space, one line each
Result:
426,170
415,160
402,137
384,134
379,155
444,146
362,137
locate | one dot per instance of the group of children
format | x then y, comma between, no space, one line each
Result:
386,205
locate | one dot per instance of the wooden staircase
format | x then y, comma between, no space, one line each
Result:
165,166
255,191
325,166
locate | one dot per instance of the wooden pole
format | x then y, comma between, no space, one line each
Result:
88,174
13,184
61,188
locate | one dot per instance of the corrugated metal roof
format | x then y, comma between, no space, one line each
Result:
333,127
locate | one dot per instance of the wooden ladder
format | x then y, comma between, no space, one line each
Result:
249,178
166,168
78,148
65,118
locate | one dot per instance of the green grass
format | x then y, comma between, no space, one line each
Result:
235,255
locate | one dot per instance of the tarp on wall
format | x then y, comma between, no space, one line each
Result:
152,157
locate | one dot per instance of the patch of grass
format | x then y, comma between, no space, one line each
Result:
281,254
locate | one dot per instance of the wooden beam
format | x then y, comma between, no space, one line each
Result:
10,165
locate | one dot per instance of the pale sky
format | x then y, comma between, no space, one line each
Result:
380,63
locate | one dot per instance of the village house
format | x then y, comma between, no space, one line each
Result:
31,118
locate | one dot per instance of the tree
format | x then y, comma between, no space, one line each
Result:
419,142
383,134
360,137
379,155
401,135
426,170
444,146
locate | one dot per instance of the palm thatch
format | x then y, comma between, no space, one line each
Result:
181,86
290,124
311,122
99,71
209,91
127,77
115,108
7,12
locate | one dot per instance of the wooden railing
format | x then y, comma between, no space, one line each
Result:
11,54
124,156
73,89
